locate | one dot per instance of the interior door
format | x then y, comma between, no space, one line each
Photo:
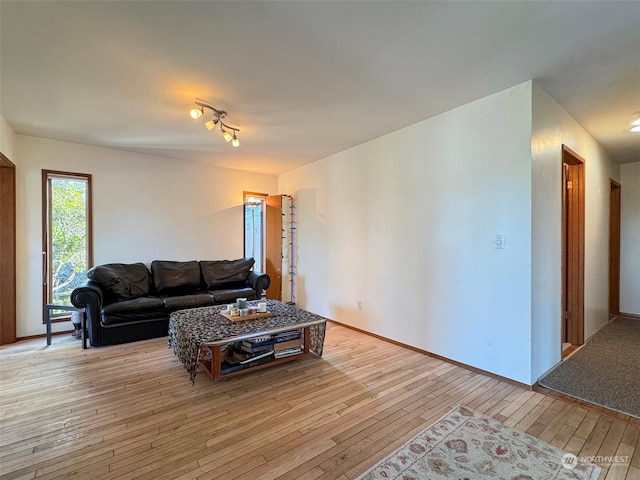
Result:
614,248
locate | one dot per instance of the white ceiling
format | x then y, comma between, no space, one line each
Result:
305,79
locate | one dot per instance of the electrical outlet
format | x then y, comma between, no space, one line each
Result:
359,304
498,242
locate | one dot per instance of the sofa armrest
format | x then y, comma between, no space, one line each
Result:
258,281
86,294
90,297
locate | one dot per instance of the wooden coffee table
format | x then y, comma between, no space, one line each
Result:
205,330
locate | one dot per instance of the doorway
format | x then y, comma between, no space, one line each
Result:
7,251
614,249
573,200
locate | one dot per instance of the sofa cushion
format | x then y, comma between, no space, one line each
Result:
230,295
143,308
122,281
188,301
226,273
175,278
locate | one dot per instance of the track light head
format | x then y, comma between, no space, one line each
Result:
218,115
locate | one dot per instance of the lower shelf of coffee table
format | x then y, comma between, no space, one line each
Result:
213,367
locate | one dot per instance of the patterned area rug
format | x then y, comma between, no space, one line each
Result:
466,445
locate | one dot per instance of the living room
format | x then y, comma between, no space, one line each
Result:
395,234
507,295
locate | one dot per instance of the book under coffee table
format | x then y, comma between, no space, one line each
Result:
202,335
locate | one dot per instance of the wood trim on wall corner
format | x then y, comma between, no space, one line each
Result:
439,357
8,307
5,162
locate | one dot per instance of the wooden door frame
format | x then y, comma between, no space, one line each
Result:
615,194
573,219
7,251
274,234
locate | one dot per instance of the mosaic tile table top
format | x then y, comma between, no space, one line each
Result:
190,330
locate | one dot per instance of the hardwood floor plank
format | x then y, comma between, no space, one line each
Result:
633,473
240,469
631,436
622,461
568,429
597,436
613,439
129,411
522,411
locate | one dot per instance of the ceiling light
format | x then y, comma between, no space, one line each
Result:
228,133
635,129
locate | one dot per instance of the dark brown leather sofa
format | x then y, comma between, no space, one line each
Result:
129,302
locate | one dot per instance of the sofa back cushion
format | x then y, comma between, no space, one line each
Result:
226,273
122,281
175,278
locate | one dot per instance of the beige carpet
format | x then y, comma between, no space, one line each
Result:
466,445
605,370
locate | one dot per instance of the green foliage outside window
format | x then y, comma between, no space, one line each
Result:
68,230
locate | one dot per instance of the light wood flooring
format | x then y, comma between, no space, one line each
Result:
129,411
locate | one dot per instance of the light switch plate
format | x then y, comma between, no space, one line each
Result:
498,242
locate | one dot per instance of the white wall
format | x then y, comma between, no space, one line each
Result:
630,238
144,208
406,224
7,140
551,128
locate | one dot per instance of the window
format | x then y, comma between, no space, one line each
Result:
66,251
254,228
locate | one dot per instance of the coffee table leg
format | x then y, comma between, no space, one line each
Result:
307,339
215,362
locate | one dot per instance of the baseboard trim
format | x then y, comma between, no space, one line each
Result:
43,335
439,357
628,315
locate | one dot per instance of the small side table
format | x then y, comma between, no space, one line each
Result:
83,325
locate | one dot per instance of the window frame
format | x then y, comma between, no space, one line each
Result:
47,176
263,240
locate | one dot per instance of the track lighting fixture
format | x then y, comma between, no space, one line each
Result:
228,133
